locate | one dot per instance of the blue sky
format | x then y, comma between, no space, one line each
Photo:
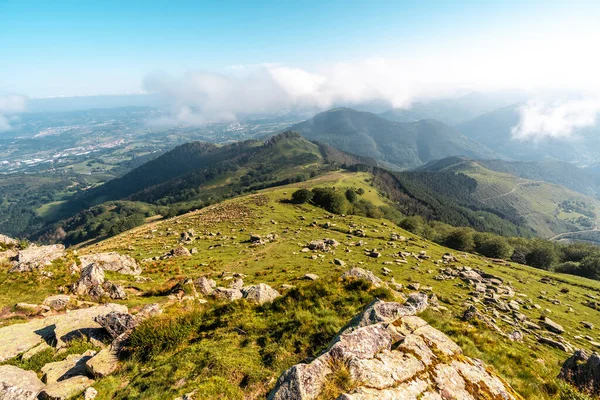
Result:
53,48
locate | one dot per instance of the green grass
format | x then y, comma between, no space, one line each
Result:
236,351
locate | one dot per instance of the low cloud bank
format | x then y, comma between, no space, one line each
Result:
556,119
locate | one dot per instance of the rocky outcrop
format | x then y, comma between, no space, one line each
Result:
36,257
92,276
66,389
582,371
7,241
116,323
57,302
261,293
71,366
91,282
19,338
112,261
18,384
205,286
390,353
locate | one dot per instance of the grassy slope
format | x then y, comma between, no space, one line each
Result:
537,201
236,351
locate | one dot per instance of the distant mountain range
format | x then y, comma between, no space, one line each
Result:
397,145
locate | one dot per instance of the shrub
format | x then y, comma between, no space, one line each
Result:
331,200
302,196
351,195
413,224
495,247
542,255
460,239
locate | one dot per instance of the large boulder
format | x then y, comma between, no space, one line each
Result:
205,286
104,363
57,329
73,365
261,293
112,261
18,384
92,276
66,389
392,354
6,241
35,257
116,323
582,371
552,326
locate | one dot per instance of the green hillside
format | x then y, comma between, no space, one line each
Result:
190,177
221,350
547,208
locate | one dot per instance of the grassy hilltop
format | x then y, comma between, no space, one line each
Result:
237,350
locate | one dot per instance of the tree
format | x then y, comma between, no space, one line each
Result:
495,247
413,224
302,196
542,255
351,195
590,266
460,239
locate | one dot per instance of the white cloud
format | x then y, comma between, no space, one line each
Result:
10,104
558,119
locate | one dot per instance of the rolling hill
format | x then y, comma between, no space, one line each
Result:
220,349
188,177
549,209
394,145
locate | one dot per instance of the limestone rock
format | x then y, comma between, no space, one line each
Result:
112,261
205,286
7,241
66,389
261,293
228,294
552,326
310,277
116,323
57,302
90,393
394,356
56,329
35,257
359,273
18,384
104,363
73,365
92,275
582,371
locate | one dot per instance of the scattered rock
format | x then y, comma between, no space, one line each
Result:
359,273
66,389
18,384
205,286
310,277
35,257
116,323
90,393
57,302
261,293
552,326
112,261
582,371
73,365
228,294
